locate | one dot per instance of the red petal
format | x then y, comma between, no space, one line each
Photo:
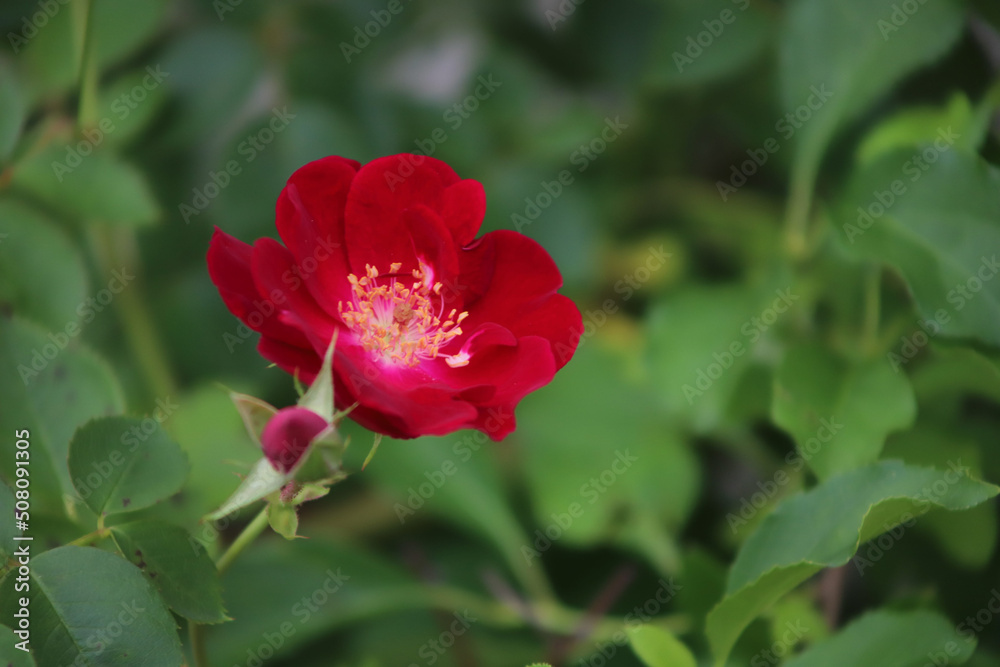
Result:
229,266
377,232
464,209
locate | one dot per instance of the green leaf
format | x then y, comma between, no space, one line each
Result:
92,606
123,464
823,528
594,420
890,639
176,564
262,481
13,109
120,27
95,187
42,275
854,51
50,391
656,647
9,655
839,412
311,587
917,126
702,339
453,477
938,226
735,34
283,519
130,103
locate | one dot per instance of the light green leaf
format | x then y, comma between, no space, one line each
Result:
656,647
10,656
854,51
283,519
702,339
839,412
262,481
50,391
595,423
917,126
13,108
123,464
177,566
93,187
823,528
83,618
41,273
890,639
939,226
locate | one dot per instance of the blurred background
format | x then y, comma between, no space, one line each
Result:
656,149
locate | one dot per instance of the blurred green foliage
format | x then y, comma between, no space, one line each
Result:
778,219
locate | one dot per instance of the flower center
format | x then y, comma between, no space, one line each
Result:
400,323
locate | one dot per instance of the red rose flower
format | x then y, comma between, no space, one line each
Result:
437,330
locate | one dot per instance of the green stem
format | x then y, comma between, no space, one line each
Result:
873,310
799,207
249,534
252,530
90,538
83,19
199,655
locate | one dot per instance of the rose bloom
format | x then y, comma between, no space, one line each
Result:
437,330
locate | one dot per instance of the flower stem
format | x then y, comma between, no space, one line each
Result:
249,534
83,19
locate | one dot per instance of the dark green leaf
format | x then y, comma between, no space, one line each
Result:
823,528
891,639
41,275
88,186
13,108
50,391
92,606
122,464
177,566
10,656
938,225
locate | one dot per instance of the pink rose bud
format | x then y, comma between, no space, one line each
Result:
288,434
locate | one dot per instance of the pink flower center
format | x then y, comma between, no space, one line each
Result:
401,322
